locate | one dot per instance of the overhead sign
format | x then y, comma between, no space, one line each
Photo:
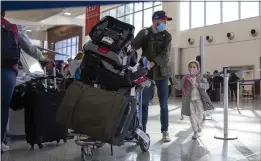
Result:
92,17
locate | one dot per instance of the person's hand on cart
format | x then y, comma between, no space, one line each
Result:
49,63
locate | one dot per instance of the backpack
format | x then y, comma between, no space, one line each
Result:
10,48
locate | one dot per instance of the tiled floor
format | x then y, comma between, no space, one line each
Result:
244,124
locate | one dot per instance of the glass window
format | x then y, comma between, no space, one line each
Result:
56,45
138,6
197,12
212,12
137,22
74,51
129,8
129,19
77,48
107,13
113,13
73,40
69,42
69,50
249,9
120,11
157,3
148,4
158,8
64,51
184,15
147,17
230,10
64,43
46,44
121,19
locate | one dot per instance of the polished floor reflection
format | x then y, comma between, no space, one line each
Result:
245,124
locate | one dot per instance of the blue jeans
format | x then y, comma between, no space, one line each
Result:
163,91
8,80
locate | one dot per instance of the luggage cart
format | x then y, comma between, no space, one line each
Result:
138,136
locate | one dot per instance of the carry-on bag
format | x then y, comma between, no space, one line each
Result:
112,33
100,114
41,104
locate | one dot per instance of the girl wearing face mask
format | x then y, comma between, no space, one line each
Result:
195,99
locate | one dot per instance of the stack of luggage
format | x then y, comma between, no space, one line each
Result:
40,99
100,105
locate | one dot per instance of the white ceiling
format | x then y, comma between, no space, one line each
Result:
41,20
38,21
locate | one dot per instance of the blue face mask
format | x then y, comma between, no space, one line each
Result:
161,27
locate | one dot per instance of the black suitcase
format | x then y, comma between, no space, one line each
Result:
40,114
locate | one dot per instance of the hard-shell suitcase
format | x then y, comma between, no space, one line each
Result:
40,114
100,114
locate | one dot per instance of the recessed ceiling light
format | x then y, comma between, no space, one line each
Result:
67,13
29,30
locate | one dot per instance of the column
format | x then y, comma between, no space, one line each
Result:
172,9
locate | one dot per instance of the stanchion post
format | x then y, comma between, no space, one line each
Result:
225,137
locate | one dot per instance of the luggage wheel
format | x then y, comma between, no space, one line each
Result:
143,145
58,141
40,146
87,153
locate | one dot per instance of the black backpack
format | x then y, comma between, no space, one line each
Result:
10,48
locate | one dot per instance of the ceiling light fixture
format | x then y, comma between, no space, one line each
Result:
29,30
67,13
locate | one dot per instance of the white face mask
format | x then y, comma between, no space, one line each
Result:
193,71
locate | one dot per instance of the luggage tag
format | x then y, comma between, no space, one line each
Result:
143,135
133,92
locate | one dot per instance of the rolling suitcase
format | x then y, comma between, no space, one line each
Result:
100,114
41,105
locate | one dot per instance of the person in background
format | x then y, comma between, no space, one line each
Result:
195,99
233,79
217,81
75,64
9,70
155,43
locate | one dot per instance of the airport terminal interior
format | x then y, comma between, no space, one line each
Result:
223,33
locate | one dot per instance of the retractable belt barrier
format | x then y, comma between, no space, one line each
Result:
226,72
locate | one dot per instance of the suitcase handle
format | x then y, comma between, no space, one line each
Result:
47,77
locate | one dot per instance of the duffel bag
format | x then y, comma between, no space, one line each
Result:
92,111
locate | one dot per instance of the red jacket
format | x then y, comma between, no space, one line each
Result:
14,29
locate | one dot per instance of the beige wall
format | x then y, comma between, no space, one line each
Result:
243,50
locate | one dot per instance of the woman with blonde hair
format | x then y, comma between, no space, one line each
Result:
75,64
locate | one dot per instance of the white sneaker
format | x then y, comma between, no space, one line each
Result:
195,136
5,147
165,136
